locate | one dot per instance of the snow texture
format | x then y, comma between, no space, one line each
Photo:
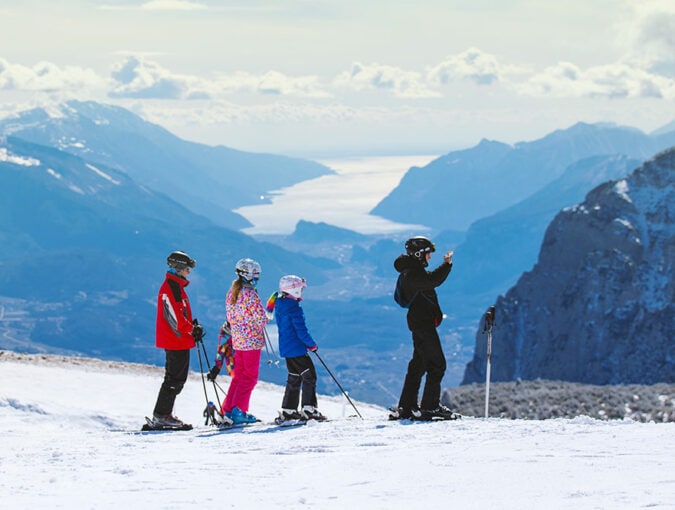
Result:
68,441
17,160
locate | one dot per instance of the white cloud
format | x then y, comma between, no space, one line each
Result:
271,83
159,5
656,42
400,83
48,77
137,77
612,81
173,5
473,64
281,111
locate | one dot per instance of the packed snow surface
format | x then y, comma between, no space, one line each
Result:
69,440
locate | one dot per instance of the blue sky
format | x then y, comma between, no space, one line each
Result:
327,77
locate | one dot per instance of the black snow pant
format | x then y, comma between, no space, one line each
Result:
175,374
301,373
427,358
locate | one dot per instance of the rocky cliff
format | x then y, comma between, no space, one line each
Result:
598,306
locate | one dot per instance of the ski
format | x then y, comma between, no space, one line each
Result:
259,424
254,427
451,417
393,416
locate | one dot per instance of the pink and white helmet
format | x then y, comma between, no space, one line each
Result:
293,285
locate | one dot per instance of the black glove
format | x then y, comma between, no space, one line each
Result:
213,373
197,332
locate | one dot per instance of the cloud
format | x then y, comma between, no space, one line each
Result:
159,5
48,77
655,42
173,5
137,77
473,64
400,83
226,112
611,81
271,83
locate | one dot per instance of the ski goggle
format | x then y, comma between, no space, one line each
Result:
422,251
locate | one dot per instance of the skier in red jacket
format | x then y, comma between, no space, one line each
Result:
176,334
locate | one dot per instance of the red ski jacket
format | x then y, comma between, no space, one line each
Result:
174,316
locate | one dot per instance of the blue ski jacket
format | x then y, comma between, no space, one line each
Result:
294,338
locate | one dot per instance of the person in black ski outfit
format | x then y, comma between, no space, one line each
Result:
424,316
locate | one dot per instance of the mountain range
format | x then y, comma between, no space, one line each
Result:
94,198
464,186
85,248
211,181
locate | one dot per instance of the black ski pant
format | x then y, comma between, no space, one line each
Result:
427,358
301,373
176,372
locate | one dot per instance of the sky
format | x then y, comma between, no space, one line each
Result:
68,438
325,78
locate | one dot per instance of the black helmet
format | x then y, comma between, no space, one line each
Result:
179,260
418,247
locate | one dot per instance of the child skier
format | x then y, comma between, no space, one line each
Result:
294,342
247,319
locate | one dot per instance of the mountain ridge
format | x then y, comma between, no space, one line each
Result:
212,181
463,186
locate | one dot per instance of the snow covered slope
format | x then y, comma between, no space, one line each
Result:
67,442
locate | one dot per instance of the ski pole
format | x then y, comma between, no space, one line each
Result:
201,371
489,323
338,384
216,387
210,408
270,348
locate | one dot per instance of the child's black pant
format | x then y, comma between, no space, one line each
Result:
301,374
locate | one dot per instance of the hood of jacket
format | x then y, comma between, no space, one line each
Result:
405,262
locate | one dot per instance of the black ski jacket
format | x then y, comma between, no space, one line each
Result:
424,311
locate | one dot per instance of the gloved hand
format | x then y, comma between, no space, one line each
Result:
213,373
225,329
197,332
313,348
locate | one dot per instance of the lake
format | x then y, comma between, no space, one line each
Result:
343,199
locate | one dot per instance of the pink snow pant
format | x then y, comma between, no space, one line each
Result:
246,369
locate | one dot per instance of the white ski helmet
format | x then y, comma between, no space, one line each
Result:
293,285
248,270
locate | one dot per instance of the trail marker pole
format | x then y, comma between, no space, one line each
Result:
487,327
